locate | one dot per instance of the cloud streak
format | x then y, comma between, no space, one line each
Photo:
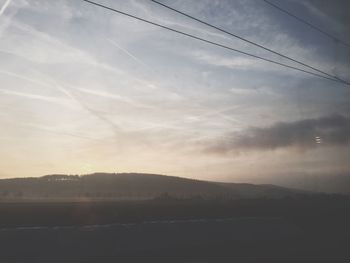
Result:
127,53
303,134
50,99
3,8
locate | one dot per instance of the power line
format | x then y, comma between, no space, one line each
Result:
246,40
306,23
213,43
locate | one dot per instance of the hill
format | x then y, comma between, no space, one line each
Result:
131,186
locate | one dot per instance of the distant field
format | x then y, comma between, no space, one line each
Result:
284,230
319,209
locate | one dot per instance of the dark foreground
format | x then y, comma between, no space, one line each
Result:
289,230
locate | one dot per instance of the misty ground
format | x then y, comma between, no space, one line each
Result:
308,229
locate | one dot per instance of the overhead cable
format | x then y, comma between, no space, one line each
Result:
246,40
214,43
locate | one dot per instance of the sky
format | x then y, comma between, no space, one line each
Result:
87,90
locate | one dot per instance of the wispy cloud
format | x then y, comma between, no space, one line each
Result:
113,96
127,53
4,6
25,78
47,49
60,101
166,17
54,130
225,61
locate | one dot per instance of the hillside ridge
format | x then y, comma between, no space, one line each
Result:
136,186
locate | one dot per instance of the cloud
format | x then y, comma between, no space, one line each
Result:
163,16
50,99
303,134
53,130
128,53
3,8
120,98
223,61
332,15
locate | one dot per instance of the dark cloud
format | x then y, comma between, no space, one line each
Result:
334,10
303,134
